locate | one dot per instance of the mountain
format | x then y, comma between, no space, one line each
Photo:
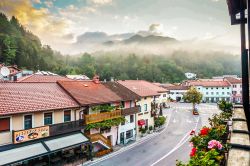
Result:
101,37
151,39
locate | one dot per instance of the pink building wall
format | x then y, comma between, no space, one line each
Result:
127,104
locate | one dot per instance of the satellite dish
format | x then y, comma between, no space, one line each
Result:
5,71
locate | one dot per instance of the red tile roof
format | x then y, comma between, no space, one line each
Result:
233,80
177,87
43,78
89,93
142,88
209,83
32,97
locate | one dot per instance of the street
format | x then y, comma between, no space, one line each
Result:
164,148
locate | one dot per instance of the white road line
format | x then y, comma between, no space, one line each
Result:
129,147
177,146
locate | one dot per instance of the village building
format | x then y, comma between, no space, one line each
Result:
126,131
39,123
147,112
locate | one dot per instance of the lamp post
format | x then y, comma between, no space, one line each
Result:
238,7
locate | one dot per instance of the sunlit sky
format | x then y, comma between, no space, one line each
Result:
59,22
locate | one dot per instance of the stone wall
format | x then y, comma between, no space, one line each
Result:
239,156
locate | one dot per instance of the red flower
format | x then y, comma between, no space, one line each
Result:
192,132
193,152
204,131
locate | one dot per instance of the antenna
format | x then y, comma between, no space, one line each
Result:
5,71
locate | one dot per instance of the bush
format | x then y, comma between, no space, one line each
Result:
160,121
150,128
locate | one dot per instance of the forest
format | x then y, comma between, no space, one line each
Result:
19,46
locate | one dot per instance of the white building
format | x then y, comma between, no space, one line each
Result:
176,92
212,90
236,85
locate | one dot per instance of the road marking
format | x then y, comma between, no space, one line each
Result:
178,145
129,146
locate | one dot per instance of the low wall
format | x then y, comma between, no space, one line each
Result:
238,156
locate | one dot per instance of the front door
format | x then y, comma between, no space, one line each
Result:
122,138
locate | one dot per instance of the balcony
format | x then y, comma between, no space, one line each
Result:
129,111
66,127
93,118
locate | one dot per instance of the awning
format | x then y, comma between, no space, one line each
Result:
141,122
29,150
22,153
66,141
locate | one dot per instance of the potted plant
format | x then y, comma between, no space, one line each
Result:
150,129
143,132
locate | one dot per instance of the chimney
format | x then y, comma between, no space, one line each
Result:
96,79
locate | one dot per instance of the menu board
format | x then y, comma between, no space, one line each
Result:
30,134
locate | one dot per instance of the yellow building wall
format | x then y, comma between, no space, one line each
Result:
17,122
145,114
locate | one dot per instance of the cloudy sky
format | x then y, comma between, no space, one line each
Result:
59,22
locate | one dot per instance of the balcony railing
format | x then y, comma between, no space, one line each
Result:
129,111
93,118
66,127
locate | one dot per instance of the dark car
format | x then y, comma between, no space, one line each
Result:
195,111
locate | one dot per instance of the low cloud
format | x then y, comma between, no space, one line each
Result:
100,2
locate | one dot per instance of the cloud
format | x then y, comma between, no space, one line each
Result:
49,4
36,1
100,2
156,28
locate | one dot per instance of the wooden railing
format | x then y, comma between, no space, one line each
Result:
129,111
93,118
100,137
103,152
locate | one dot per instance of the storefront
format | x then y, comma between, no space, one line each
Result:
62,149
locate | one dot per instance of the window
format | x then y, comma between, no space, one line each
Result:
217,93
129,134
222,87
206,88
145,107
48,118
131,118
67,115
164,95
228,93
27,122
131,103
207,93
212,88
145,98
4,124
212,93
217,88
223,93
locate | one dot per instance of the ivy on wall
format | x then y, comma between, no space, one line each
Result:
106,124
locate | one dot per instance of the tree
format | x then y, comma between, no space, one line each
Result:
9,50
193,96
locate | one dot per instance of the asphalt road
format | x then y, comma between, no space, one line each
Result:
164,148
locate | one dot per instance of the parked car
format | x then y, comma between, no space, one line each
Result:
195,111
